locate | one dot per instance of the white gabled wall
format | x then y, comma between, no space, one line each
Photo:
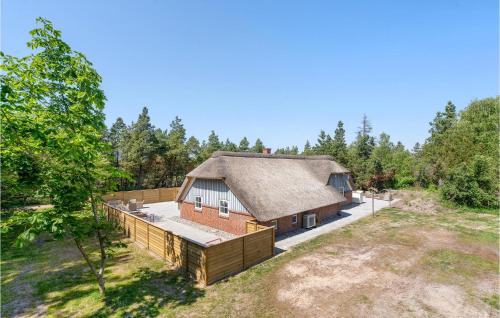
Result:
211,191
340,180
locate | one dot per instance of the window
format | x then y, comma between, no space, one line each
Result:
223,208
197,202
342,190
294,219
274,223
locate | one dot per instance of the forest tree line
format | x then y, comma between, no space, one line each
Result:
460,156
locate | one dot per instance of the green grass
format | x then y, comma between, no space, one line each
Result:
52,275
451,261
493,301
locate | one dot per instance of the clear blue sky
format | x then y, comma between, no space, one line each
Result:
279,70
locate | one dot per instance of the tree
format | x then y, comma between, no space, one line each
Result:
52,112
473,185
115,136
258,147
323,146
383,151
417,148
366,128
443,120
307,149
139,147
359,153
339,146
230,146
194,153
177,155
213,144
458,139
244,144
294,150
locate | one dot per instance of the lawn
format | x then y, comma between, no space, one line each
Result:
431,261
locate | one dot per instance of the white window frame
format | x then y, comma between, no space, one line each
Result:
342,189
221,208
274,223
294,217
196,207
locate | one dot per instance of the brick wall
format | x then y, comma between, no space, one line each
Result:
348,196
285,224
234,223
326,211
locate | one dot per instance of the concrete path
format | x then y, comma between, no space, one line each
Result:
350,214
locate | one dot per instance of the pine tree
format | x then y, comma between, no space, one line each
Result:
176,156
443,120
339,147
213,144
417,148
323,146
115,136
307,149
258,147
193,150
366,128
230,146
294,150
244,145
139,147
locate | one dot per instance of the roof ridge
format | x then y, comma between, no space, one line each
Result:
217,154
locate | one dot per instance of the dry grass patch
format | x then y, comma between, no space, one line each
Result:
398,264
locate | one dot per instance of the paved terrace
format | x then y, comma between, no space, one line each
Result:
349,214
166,216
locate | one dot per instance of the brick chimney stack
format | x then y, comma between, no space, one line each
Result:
266,151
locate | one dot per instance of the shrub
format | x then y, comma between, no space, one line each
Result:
472,185
404,182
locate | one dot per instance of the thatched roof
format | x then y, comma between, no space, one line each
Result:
272,186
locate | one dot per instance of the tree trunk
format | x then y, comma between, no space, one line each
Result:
99,274
99,277
139,177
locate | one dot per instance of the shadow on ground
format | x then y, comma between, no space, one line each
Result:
148,293
64,286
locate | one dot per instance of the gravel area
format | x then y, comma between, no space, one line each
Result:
204,228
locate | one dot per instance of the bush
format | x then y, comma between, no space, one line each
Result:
472,185
404,182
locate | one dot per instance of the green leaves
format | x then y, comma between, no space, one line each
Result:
52,137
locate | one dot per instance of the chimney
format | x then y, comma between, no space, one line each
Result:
266,151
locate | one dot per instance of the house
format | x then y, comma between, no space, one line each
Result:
284,191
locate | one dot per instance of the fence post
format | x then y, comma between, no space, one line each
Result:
165,246
187,257
135,230
147,233
274,238
243,248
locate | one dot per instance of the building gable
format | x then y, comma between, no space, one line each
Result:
212,191
340,182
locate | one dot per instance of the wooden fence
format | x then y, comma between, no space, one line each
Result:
253,226
206,264
148,195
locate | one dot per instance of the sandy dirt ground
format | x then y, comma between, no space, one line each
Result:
385,274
